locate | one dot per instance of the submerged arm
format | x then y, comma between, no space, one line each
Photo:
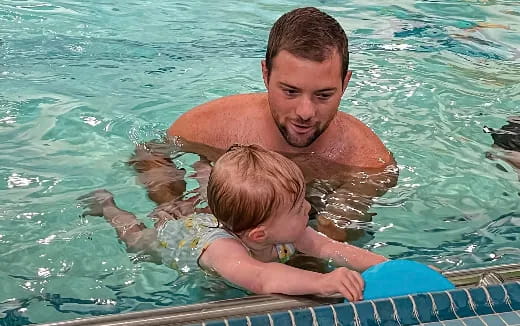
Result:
344,204
158,173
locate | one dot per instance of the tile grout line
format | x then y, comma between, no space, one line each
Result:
314,318
356,315
490,302
376,313
452,305
507,299
414,309
395,314
470,301
473,306
271,321
334,315
293,321
435,310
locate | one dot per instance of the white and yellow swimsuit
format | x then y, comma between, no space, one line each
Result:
183,241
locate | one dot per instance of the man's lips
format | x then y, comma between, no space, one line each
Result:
301,129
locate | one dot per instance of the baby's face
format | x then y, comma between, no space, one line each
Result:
289,222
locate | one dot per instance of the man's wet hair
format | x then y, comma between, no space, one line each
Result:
310,34
508,136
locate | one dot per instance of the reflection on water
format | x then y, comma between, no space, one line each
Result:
83,82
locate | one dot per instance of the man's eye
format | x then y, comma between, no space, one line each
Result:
324,96
290,91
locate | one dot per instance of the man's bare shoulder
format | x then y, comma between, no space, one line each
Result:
354,125
369,149
230,103
202,122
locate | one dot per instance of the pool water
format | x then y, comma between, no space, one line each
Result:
82,82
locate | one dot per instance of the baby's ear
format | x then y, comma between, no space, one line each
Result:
257,234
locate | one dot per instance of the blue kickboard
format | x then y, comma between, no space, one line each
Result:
402,277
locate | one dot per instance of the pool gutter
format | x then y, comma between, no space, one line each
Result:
262,304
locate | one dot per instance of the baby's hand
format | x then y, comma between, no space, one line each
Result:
95,201
345,281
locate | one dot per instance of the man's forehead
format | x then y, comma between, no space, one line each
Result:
295,71
331,56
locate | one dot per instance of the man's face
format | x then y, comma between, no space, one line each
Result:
304,95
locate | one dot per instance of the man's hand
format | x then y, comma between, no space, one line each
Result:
345,281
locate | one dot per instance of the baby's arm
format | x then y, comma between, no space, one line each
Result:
230,259
318,245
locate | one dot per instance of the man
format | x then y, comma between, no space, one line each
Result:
306,73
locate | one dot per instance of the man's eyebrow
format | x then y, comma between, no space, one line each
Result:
287,85
328,89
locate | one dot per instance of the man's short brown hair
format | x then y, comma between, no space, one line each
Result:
308,33
248,184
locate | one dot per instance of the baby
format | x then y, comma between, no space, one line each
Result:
259,221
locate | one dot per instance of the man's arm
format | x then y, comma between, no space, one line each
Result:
156,170
315,244
152,160
231,260
372,172
356,189
200,130
355,167
342,204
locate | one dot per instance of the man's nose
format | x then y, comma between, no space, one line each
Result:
305,110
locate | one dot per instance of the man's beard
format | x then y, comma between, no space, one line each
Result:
299,141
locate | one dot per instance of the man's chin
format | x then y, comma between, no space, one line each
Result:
299,142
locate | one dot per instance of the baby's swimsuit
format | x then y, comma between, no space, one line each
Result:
183,241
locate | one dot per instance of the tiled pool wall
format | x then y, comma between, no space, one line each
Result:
494,305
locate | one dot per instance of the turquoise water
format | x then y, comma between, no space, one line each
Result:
82,82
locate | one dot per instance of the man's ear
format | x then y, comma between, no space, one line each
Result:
347,79
265,74
257,234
